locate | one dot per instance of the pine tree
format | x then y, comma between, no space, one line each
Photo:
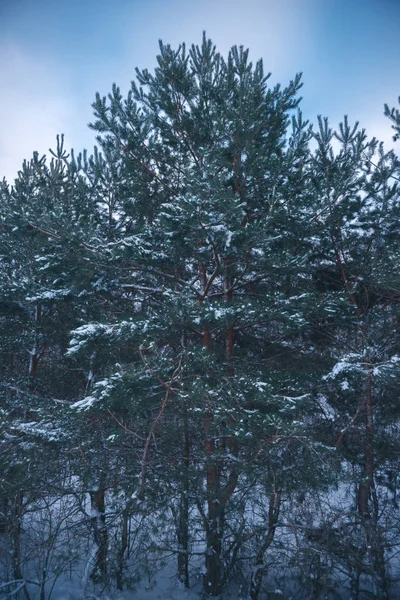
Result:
352,254
212,261
49,220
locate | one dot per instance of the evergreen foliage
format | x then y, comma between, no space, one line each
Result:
200,328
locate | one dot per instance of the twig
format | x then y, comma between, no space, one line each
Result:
124,427
56,236
168,387
338,441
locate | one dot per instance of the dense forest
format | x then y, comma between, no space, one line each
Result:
200,347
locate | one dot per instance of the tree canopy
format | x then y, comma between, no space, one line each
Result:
200,330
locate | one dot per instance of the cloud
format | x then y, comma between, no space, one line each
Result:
280,32
35,105
47,90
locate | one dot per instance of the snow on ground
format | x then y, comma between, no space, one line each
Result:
163,587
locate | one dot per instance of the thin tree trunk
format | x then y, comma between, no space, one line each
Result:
214,528
36,353
367,509
214,576
99,571
43,585
16,541
355,585
123,547
273,515
183,526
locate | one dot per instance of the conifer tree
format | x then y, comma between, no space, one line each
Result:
352,257
212,259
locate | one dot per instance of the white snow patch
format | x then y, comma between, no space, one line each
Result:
84,404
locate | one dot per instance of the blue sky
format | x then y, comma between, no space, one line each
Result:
54,56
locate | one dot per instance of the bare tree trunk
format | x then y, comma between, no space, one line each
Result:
123,547
214,526
16,540
36,353
213,580
355,585
367,503
183,525
98,516
273,515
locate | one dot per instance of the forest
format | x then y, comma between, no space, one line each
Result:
200,348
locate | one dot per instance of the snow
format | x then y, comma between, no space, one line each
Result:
350,362
292,399
44,430
84,404
229,235
261,385
49,295
82,335
162,587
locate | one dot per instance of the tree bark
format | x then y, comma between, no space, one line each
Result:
367,508
16,540
123,547
273,515
98,517
183,525
218,494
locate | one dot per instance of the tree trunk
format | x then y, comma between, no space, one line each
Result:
214,527
217,498
367,508
98,517
183,525
123,547
213,580
16,540
36,353
355,585
273,515
217,493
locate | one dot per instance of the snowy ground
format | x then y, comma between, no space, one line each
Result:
163,587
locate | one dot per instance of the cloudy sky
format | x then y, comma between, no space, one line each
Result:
54,56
